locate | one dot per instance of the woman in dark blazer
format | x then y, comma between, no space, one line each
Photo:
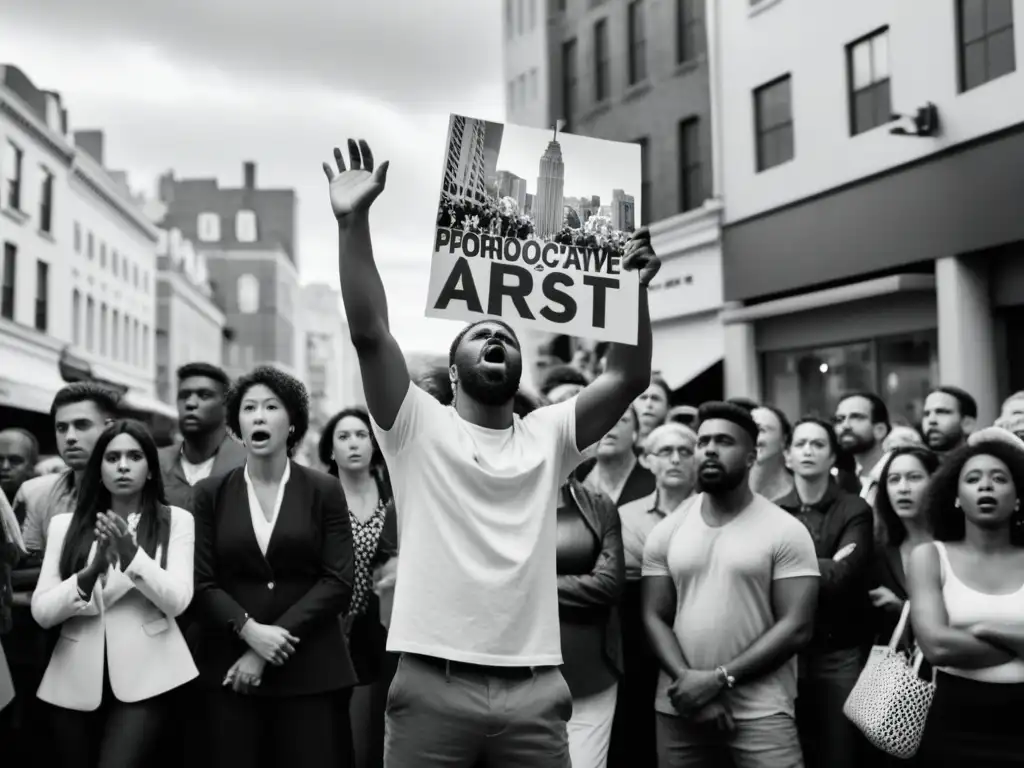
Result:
274,570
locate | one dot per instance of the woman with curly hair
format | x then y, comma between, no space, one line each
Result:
967,607
349,450
274,570
116,574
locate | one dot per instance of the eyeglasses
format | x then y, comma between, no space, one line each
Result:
669,450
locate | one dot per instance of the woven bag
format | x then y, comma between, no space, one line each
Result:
890,702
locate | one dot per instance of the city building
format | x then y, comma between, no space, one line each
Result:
510,185
248,237
637,71
77,275
465,173
548,207
190,327
332,368
872,232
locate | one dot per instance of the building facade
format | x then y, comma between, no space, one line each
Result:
248,237
332,368
871,234
638,71
77,275
189,324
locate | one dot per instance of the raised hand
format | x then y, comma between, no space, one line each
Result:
115,528
641,257
354,189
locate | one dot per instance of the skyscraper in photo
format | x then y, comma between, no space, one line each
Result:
548,212
465,172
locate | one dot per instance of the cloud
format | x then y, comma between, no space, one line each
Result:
200,87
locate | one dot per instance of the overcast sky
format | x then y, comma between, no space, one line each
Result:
199,86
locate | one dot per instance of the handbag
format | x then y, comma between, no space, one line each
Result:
890,701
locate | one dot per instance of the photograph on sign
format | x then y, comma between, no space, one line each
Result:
532,227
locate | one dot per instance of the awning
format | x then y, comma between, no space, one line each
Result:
687,346
29,384
136,401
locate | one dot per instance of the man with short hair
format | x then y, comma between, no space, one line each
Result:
950,415
730,586
1011,415
562,382
861,426
475,613
81,412
206,449
19,452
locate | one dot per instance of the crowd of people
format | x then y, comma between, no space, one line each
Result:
588,575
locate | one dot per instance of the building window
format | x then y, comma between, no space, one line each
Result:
103,255
135,275
115,262
533,84
645,183
691,176
104,324
985,28
76,317
46,203
89,242
12,175
208,227
520,21
867,64
601,64
689,30
78,238
569,78
126,338
42,295
773,112
245,227
137,344
145,281
115,335
637,42
509,20
90,323
10,273
902,369
248,294
145,346
532,5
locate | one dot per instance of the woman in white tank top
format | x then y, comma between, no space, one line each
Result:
967,607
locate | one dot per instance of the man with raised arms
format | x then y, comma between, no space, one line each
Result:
475,612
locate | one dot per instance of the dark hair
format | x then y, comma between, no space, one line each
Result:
33,443
207,371
730,411
462,334
745,403
326,446
435,382
784,426
658,381
289,390
968,405
93,497
945,518
879,410
105,398
557,375
892,530
833,441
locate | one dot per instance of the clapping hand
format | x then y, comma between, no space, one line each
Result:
353,190
115,529
641,257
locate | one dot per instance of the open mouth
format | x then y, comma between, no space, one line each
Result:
987,503
259,437
494,353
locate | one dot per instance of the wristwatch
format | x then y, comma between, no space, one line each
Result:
723,674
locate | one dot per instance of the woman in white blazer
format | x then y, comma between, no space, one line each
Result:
115,574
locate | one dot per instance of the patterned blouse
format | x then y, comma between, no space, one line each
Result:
365,536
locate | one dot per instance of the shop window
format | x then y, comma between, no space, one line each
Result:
901,369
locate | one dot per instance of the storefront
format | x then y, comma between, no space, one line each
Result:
899,283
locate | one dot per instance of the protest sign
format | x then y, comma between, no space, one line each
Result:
532,227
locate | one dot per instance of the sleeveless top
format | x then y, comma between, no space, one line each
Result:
966,606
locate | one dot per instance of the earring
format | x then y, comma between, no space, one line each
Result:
956,502
291,430
1016,506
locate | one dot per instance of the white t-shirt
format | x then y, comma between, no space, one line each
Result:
723,578
476,578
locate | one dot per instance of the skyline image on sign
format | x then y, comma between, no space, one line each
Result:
532,226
